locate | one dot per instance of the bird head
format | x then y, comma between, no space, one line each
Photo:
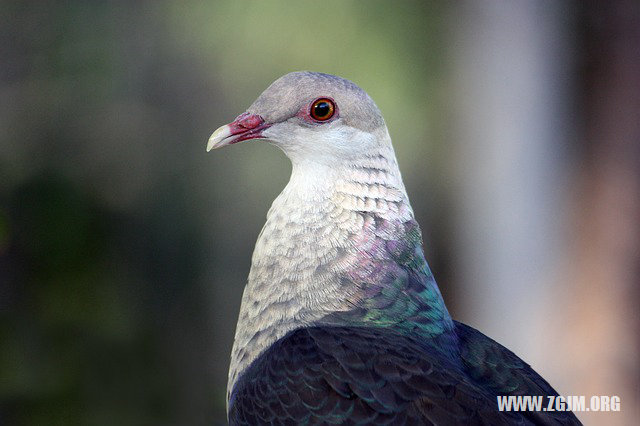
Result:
310,116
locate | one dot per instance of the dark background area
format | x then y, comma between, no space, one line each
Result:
124,247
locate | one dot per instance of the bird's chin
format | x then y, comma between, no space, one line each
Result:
246,137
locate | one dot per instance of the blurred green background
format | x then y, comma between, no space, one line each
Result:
124,247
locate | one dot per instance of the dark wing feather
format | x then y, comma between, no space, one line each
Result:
357,375
504,373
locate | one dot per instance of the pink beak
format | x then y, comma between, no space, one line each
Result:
246,126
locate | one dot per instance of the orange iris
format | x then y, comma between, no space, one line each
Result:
322,109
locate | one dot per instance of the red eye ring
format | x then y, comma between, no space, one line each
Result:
322,109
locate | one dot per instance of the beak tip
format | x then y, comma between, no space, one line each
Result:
218,137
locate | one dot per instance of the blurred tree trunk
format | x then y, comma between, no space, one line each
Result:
601,336
548,240
512,69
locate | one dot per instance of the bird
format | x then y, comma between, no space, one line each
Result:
341,319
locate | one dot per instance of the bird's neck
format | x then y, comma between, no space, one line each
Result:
340,246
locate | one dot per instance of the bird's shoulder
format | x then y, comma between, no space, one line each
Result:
360,375
503,373
498,367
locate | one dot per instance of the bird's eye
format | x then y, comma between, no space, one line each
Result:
322,109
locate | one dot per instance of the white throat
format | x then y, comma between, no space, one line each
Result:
309,241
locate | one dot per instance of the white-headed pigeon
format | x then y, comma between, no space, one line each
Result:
341,320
